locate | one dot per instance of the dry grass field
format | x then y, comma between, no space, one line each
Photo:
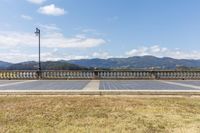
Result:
99,114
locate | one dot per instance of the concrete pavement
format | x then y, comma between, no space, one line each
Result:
100,87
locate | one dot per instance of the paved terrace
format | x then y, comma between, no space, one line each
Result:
100,86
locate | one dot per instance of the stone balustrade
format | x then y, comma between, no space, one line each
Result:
100,74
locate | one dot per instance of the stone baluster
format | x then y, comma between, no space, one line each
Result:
1,75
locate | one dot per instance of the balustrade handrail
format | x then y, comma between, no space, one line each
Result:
102,70
100,74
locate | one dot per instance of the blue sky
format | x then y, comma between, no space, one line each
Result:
74,29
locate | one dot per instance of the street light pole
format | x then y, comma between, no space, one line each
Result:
37,32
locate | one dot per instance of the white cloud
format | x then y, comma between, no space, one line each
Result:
26,17
17,56
9,39
58,40
101,55
49,27
50,39
36,1
51,10
92,32
164,52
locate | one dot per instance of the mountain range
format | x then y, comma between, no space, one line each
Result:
48,65
136,62
4,65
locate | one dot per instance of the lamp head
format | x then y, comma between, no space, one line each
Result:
37,32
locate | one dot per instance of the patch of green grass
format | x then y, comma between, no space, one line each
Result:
99,114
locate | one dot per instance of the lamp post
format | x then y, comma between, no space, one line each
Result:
37,33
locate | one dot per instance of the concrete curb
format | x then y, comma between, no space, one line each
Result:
99,92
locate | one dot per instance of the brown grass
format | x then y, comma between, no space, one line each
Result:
101,114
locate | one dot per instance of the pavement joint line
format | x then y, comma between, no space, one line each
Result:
92,85
181,84
16,83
